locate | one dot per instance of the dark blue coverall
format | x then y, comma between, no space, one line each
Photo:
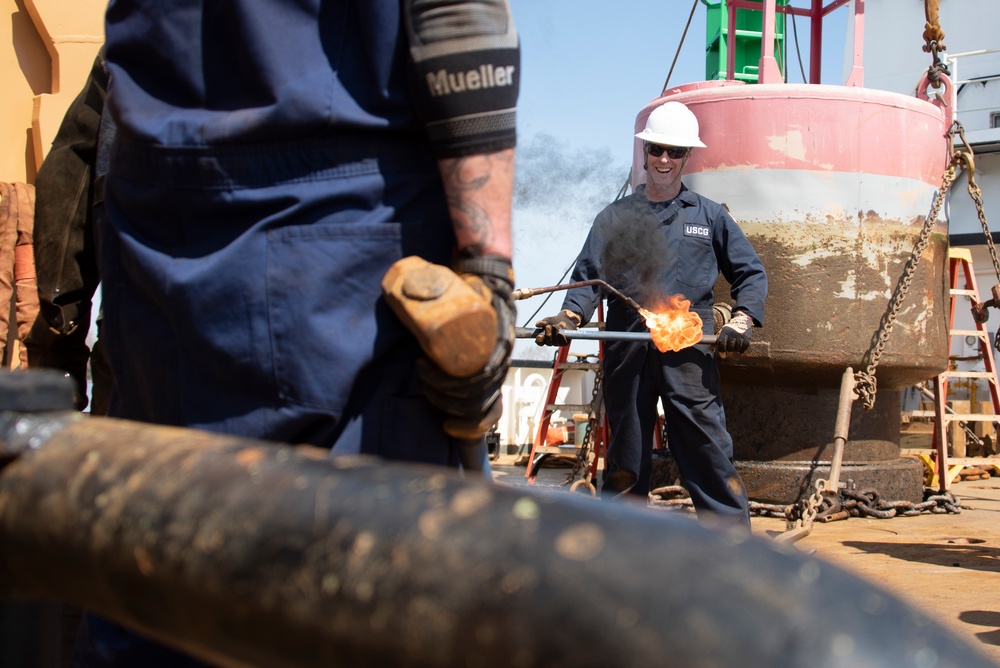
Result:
272,160
269,167
702,240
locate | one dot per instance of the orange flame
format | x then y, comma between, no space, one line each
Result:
674,326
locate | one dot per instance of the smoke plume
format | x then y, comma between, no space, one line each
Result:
558,192
633,258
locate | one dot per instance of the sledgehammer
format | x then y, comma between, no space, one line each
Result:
454,325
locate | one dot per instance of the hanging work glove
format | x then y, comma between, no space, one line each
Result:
734,337
553,325
473,404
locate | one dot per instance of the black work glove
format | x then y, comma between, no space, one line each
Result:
473,404
734,337
49,348
552,328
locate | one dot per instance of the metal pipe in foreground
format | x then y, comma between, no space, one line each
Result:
603,335
245,552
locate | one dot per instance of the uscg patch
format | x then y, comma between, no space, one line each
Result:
698,231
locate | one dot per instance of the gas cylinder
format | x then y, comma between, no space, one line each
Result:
832,185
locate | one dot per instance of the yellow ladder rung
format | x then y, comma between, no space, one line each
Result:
971,417
570,408
966,374
983,334
567,449
579,366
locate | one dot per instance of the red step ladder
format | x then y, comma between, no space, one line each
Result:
589,453
945,472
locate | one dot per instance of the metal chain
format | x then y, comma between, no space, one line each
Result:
864,504
869,503
845,503
809,510
828,508
583,458
977,197
865,383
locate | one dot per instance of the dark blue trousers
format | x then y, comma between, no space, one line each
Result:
636,376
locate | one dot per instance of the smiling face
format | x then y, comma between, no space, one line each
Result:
663,171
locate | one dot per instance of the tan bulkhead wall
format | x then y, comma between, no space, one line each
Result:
47,48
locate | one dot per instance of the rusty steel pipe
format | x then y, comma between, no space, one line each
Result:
244,552
603,335
841,430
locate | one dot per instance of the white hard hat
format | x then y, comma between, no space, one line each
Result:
671,124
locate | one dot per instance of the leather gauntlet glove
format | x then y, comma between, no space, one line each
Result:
473,404
735,336
552,328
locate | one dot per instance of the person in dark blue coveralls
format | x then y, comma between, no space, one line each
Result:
272,160
691,240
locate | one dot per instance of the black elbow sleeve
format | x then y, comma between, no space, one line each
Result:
465,73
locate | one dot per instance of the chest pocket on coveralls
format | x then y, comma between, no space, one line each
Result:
696,264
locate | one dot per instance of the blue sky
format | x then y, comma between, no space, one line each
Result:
589,66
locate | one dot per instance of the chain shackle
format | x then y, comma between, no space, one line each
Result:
933,33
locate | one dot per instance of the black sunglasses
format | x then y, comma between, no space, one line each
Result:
673,152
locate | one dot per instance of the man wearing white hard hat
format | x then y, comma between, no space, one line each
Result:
660,241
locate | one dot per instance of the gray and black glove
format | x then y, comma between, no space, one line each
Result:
734,337
473,404
552,327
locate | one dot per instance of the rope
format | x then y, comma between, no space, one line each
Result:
624,189
679,46
934,43
933,34
798,53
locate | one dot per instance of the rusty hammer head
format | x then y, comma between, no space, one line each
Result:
454,322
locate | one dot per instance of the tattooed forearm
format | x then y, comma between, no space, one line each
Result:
472,223
479,190
463,177
466,173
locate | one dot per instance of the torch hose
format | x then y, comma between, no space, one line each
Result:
525,293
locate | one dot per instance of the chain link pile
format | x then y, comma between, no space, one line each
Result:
824,507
